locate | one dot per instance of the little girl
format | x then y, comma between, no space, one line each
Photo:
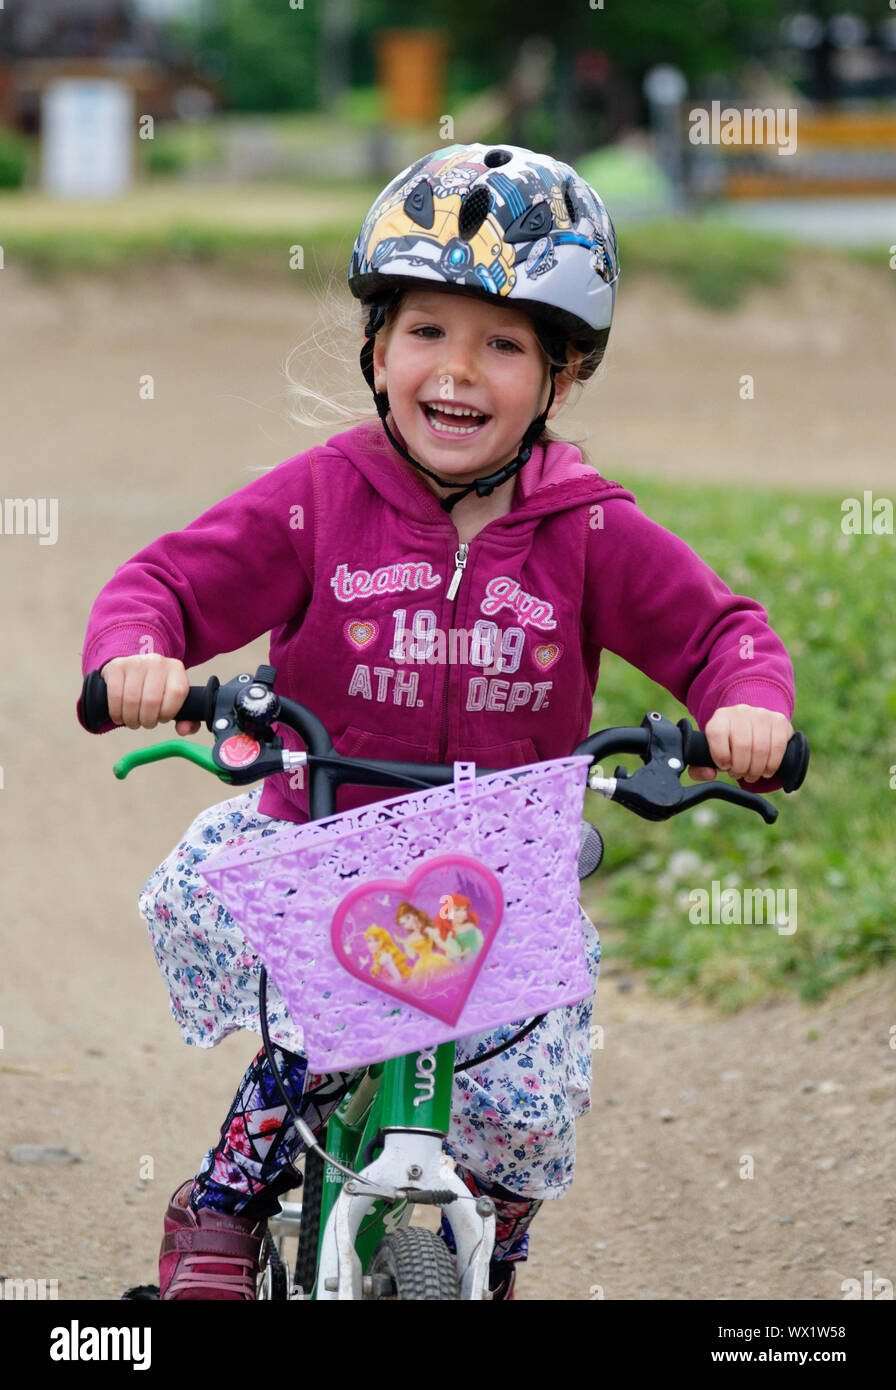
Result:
488,278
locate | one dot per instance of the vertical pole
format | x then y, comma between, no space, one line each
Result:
566,105
665,88
336,18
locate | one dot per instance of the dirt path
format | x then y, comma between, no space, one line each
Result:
733,1158
90,1060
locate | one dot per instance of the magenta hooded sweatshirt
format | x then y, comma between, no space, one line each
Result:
346,558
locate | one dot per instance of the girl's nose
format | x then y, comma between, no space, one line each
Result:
459,361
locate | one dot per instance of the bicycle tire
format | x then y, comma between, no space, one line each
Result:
309,1228
417,1264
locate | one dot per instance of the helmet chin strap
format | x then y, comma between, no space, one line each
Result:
483,487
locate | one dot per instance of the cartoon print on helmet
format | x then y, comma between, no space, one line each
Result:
425,231
540,258
457,178
496,221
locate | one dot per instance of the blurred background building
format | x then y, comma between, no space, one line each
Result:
42,41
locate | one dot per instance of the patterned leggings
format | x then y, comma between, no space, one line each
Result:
252,1163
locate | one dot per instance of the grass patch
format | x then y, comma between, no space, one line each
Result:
715,262
166,221
327,249
181,145
828,596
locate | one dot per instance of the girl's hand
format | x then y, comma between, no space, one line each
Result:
746,742
147,690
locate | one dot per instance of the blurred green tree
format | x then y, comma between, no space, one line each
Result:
698,36
263,55
268,55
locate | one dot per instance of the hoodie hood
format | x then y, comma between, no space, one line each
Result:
554,479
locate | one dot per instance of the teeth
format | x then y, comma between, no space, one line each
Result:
434,411
453,429
432,414
453,409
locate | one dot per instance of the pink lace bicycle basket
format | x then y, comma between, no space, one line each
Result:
421,919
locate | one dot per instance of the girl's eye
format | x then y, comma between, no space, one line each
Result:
431,328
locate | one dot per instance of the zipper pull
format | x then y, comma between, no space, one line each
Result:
460,564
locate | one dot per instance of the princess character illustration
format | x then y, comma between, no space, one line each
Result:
422,941
460,925
388,959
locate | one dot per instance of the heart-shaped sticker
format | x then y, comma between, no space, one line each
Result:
423,941
361,632
547,654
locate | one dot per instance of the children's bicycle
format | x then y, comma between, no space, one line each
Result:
357,987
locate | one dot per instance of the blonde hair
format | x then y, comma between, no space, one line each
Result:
334,344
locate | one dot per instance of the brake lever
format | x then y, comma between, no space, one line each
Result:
171,748
246,747
655,793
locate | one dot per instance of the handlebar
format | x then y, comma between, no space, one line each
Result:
241,715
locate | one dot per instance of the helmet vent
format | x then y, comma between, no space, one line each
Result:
572,211
495,158
474,210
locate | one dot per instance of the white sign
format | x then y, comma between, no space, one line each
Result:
87,133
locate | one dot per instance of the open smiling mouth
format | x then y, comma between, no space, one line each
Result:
452,420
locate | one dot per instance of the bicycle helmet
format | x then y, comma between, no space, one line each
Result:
493,222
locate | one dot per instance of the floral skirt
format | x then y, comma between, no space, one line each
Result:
513,1119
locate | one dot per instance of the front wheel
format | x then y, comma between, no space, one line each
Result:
273,1279
413,1263
309,1230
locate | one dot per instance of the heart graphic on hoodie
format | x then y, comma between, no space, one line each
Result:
547,654
361,634
423,941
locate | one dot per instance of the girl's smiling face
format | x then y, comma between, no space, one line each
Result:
449,353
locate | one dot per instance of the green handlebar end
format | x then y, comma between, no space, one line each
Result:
171,748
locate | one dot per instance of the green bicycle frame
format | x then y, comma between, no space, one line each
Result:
409,1092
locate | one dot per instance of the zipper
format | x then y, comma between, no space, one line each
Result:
460,564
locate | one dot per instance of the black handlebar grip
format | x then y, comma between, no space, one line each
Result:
791,772
200,703
198,706
94,703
